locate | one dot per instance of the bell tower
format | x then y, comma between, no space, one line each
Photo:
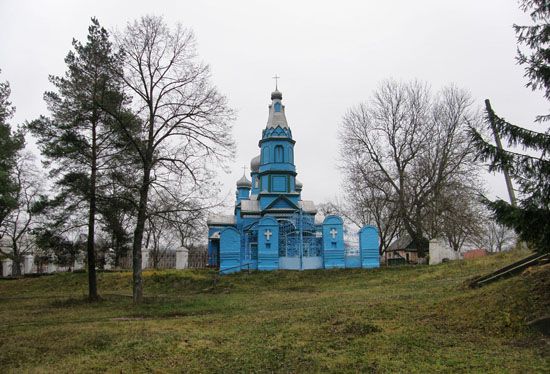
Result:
276,171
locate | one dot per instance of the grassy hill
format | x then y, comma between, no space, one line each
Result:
407,319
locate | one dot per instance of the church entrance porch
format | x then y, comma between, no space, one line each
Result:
300,244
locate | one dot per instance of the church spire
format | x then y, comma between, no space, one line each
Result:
276,116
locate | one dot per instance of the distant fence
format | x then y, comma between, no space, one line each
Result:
197,259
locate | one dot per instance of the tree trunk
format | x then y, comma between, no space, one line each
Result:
137,288
16,261
90,245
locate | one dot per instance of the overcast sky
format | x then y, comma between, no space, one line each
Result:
330,55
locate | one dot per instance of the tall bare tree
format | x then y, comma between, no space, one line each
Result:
16,228
185,120
409,146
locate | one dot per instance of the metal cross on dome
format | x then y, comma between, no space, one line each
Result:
268,234
333,233
276,77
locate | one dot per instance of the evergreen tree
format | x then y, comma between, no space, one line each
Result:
530,170
10,145
80,139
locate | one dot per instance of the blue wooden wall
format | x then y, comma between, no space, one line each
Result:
369,247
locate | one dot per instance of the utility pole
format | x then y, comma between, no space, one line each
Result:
491,115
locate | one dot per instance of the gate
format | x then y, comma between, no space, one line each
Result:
249,243
300,244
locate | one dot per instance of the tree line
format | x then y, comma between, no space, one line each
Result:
134,127
412,159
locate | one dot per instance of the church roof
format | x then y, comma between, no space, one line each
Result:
220,219
277,116
244,182
308,206
250,206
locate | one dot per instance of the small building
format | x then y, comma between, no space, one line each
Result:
401,251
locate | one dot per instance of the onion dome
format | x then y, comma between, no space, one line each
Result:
244,182
299,185
276,95
255,164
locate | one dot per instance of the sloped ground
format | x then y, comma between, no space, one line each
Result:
408,319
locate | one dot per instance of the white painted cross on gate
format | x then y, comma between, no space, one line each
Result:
268,234
333,233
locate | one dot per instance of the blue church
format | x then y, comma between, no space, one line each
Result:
272,227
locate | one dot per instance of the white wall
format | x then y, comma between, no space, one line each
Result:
440,250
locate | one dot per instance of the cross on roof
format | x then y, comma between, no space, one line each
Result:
333,233
276,77
268,234
244,169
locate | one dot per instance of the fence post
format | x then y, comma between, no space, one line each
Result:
369,244
333,242
27,264
144,259
182,258
6,267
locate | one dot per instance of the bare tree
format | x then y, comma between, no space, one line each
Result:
497,237
185,120
370,200
460,216
16,228
407,147
159,239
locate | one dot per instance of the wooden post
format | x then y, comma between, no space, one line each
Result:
499,146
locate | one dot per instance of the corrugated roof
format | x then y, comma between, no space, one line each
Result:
400,243
308,206
250,206
221,220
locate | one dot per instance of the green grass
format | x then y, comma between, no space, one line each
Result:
407,319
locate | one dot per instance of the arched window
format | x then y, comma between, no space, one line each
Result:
277,107
279,153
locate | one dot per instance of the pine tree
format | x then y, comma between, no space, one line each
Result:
10,144
530,169
80,139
